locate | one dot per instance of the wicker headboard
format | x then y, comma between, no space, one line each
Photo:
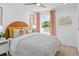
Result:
10,27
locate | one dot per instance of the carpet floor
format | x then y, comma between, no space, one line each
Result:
64,50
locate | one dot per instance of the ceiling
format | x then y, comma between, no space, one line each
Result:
48,6
39,8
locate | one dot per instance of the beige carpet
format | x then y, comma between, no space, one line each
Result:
67,51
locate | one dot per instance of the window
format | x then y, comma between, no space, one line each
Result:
44,23
1,15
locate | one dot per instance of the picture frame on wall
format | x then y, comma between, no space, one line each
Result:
65,21
1,11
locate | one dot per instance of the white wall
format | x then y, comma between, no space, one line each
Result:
78,40
13,13
67,35
78,26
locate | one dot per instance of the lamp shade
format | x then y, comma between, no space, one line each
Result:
1,28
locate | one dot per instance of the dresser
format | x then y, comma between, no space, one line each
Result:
4,46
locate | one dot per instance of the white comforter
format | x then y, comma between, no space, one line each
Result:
35,44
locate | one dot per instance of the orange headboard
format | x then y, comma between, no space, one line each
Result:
17,24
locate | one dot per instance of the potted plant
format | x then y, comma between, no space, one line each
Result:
1,34
45,25
4,35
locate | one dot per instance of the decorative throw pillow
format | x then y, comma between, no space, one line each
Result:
11,31
22,32
16,32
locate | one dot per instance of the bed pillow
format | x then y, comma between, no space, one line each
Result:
28,29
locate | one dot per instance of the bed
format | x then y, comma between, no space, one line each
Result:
35,44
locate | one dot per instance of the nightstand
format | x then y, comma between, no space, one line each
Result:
4,46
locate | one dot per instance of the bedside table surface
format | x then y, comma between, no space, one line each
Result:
2,41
